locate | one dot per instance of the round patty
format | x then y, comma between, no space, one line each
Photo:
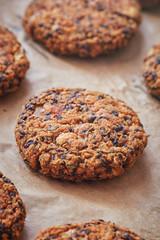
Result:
13,62
12,210
83,28
151,71
95,230
148,3
79,135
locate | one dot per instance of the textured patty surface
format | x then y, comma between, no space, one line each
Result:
12,210
95,230
79,135
13,62
149,3
85,28
151,71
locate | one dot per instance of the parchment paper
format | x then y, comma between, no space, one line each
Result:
131,200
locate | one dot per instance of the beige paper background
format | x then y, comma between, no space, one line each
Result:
131,200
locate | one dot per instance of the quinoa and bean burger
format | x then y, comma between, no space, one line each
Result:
83,28
77,135
94,230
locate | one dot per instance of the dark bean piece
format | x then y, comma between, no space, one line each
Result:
29,106
76,234
100,7
58,30
101,220
26,161
91,119
70,129
116,229
158,60
76,91
48,35
146,73
35,142
104,26
20,203
104,117
125,31
114,113
100,97
2,79
25,145
52,237
12,194
48,113
85,130
58,116
77,21
94,136
124,132
53,101
80,109
6,180
62,163
73,95
141,125
137,130
69,107
127,236
22,133
138,148
42,139
119,128
154,75
99,155
30,142
127,118
114,141
82,103
46,119
131,151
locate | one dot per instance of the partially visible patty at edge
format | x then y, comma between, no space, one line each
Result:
13,62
